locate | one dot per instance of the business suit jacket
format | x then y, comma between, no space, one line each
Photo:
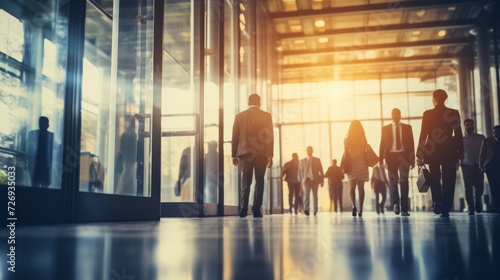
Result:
317,170
441,136
252,134
487,153
406,139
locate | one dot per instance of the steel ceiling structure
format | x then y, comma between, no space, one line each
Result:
324,40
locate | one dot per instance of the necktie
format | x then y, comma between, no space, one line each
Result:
398,140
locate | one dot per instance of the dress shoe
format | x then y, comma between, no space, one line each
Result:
315,212
354,211
396,209
256,212
444,215
436,207
479,206
243,212
360,214
406,214
306,212
378,210
382,209
290,210
471,212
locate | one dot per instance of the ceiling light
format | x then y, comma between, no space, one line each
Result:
416,33
409,52
370,54
279,48
421,13
298,42
442,33
452,8
323,40
319,23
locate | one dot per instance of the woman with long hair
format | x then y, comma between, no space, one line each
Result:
357,168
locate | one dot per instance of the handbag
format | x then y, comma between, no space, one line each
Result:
371,156
344,162
424,179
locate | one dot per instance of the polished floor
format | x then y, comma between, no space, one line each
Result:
328,246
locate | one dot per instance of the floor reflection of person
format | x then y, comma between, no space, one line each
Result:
39,154
128,150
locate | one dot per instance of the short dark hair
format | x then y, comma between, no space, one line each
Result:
254,99
468,120
440,95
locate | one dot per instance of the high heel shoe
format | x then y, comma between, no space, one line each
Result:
354,211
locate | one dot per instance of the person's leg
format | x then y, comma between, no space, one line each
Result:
314,188
306,196
449,179
468,174
384,197
290,196
436,192
339,197
333,198
352,195
361,191
296,190
377,203
494,180
246,167
392,169
404,172
260,170
479,187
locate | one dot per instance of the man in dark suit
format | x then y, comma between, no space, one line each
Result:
39,153
310,176
398,149
441,146
289,171
489,162
252,149
335,177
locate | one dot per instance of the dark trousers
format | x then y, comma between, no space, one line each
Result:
494,180
473,179
293,192
399,169
443,177
247,166
336,196
380,192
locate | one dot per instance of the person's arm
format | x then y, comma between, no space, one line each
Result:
283,170
422,139
329,172
299,172
411,148
482,155
270,142
459,138
321,174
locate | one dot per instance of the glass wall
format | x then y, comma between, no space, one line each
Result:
117,99
33,43
307,120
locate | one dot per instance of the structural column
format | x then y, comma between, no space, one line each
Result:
483,58
467,108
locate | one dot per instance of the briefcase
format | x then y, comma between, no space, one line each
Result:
424,179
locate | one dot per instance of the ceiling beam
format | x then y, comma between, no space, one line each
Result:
392,46
431,25
391,6
364,62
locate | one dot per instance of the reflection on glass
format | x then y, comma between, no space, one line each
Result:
32,88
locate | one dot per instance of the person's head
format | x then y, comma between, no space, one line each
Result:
254,99
356,134
309,151
439,96
43,123
396,115
295,156
334,162
496,131
469,126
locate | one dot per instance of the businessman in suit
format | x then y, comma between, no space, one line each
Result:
252,149
397,148
489,162
310,176
441,146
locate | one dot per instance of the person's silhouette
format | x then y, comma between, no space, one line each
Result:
128,150
39,154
